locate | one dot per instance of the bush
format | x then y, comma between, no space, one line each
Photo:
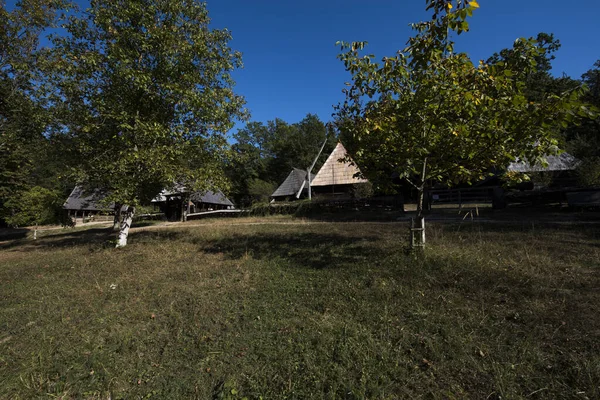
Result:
36,206
588,172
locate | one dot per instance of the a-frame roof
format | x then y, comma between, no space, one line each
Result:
335,172
292,184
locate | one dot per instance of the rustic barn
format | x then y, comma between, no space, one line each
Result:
336,178
173,202
83,202
293,187
559,173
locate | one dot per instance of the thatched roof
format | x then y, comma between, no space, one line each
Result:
292,184
81,199
335,172
561,162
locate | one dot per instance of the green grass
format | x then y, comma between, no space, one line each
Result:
308,310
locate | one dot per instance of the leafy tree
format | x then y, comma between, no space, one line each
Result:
297,145
583,140
260,190
431,115
539,82
251,155
35,206
23,118
145,96
267,153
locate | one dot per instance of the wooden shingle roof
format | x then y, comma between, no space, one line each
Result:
207,197
292,184
335,172
87,200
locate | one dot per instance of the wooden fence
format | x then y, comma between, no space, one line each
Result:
460,197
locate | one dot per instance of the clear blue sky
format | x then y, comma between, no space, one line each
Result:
290,65
289,47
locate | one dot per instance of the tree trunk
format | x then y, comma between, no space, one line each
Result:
185,202
117,217
125,225
35,232
420,222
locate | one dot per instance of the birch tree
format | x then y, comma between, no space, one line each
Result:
144,95
431,114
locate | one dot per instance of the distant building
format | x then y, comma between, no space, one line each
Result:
561,162
337,178
172,202
82,202
295,186
87,202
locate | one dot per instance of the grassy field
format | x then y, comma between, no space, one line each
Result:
275,309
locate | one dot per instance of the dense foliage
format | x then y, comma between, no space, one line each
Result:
266,153
429,114
136,96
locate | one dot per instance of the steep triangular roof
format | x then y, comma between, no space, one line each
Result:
292,184
335,172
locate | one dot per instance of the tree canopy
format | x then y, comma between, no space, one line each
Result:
432,115
266,153
144,96
25,153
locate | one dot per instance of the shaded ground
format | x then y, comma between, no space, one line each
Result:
282,308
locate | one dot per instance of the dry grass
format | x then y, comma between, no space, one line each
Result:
311,310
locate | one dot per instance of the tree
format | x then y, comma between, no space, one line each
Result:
583,140
36,206
541,82
145,97
266,153
431,115
23,118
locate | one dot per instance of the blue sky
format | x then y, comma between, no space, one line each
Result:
290,65
289,52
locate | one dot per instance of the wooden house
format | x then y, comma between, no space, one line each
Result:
336,178
173,202
83,203
295,186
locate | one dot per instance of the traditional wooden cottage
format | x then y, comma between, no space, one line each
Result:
295,186
86,203
336,178
178,203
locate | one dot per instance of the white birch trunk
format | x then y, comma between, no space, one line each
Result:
125,225
117,218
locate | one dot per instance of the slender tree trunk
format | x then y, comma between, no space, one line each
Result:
117,217
125,225
420,222
185,202
35,232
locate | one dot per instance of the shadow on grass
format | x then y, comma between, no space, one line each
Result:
68,238
540,229
305,250
298,249
13,233
376,214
